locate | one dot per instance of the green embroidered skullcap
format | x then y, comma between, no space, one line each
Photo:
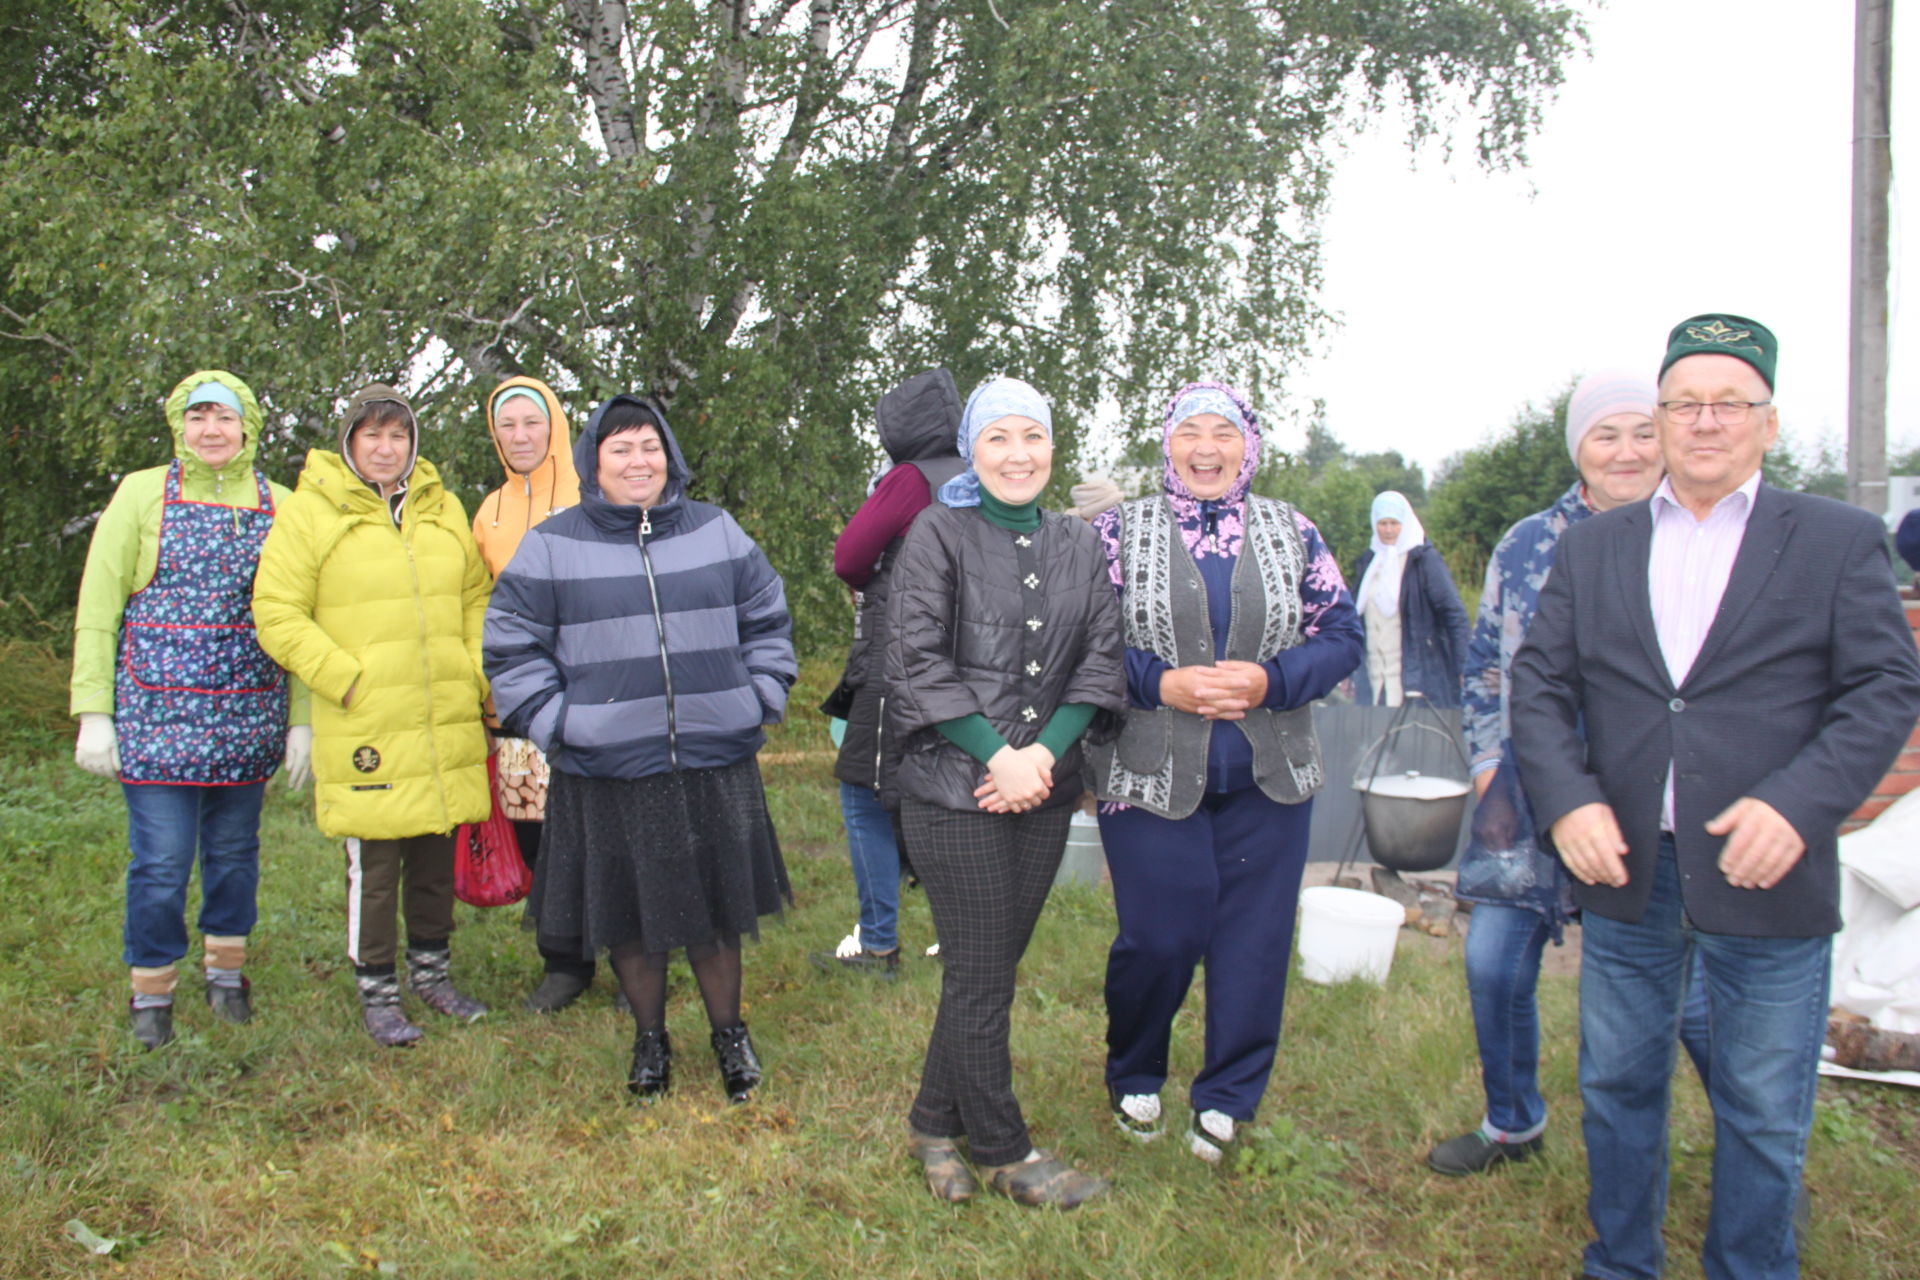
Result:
1718,334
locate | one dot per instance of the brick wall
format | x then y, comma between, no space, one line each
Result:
1905,774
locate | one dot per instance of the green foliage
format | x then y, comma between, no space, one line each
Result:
1335,489
1296,1167
1821,469
763,212
33,696
1480,493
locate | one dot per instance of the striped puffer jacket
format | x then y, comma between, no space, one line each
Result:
627,642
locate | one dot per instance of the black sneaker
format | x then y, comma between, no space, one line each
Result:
884,965
1138,1114
1211,1137
152,1026
231,1004
1475,1152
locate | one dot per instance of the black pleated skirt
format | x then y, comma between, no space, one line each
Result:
672,860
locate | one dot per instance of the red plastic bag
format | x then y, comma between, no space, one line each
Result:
488,870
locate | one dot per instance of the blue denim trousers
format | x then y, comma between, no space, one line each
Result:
876,865
170,827
1767,1002
1504,946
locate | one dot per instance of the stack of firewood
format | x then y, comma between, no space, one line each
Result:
523,780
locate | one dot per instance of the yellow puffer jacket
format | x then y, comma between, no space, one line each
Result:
345,599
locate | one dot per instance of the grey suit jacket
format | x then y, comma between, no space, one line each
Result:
1804,691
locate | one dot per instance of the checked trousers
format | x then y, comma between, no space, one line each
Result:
986,877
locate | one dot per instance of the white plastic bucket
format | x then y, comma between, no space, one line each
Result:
1085,858
1347,933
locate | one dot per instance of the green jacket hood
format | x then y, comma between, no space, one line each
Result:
357,404
252,423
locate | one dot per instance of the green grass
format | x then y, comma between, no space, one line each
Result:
294,1147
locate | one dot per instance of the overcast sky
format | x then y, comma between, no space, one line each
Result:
1698,160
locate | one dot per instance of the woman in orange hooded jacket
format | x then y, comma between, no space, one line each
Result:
529,432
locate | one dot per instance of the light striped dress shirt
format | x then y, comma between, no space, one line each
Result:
1687,574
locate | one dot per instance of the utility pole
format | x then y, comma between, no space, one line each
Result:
1872,174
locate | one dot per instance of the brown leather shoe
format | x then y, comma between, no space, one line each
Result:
948,1176
1047,1182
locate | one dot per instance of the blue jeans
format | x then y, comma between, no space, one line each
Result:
167,828
876,865
1504,946
1767,1000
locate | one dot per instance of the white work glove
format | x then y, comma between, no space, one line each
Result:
1093,495
98,748
299,761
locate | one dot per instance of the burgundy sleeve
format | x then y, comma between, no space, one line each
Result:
887,513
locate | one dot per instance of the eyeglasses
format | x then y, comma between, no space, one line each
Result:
1728,413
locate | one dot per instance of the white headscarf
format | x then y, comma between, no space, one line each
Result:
1382,579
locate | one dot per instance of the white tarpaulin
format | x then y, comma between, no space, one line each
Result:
1876,957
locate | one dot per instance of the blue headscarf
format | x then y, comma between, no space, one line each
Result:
991,401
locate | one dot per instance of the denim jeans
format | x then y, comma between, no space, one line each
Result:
1767,1000
1504,946
876,865
169,826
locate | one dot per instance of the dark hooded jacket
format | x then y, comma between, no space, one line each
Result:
919,424
1434,630
627,641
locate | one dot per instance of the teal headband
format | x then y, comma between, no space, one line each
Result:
500,401
214,393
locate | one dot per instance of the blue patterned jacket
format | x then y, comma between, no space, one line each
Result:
1503,864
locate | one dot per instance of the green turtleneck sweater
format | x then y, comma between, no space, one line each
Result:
975,734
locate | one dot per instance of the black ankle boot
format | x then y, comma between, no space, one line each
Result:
652,1072
739,1068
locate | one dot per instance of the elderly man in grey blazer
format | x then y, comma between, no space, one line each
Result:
1716,678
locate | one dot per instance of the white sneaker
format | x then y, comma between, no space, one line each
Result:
1137,1114
1211,1136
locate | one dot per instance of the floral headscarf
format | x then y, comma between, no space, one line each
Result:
1228,509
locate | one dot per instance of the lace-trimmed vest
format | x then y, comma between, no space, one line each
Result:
1159,761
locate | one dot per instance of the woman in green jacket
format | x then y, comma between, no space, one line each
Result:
371,590
176,699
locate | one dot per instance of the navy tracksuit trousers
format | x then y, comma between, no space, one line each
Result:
1218,887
